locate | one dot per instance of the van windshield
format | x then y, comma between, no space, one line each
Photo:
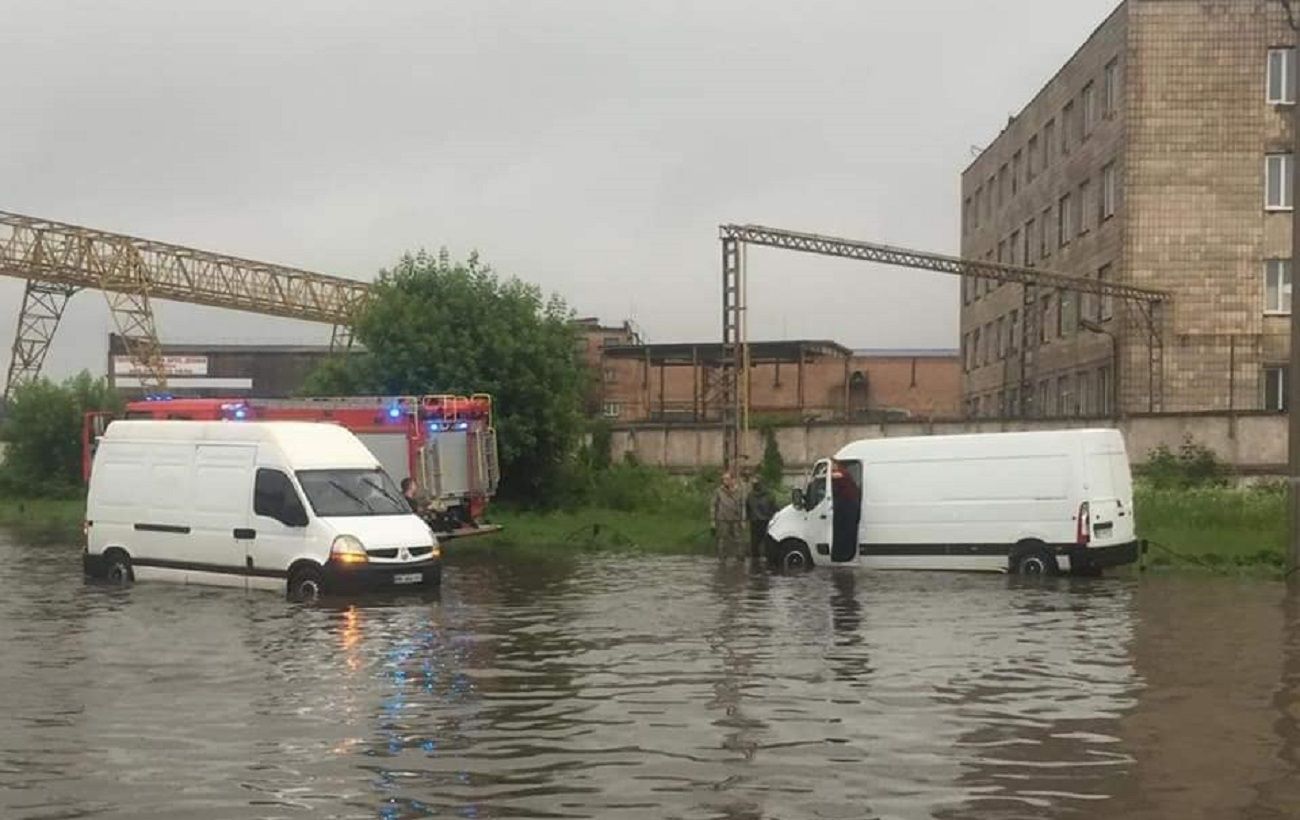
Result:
337,493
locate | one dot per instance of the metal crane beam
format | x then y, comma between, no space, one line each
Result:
922,260
735,399
132,272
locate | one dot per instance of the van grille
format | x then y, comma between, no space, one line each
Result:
391,552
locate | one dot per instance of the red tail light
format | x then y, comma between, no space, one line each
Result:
1083,531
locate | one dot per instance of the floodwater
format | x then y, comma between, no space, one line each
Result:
651,687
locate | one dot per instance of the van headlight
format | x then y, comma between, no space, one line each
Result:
348,549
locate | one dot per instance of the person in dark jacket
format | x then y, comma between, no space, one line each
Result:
760,506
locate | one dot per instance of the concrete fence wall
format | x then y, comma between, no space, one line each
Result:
1253,443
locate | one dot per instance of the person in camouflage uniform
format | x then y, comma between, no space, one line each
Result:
728,515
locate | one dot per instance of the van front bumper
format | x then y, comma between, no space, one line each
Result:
1101,557
354,577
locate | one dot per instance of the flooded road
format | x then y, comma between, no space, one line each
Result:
649,687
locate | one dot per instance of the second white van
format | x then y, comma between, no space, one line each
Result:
1028,503
292,506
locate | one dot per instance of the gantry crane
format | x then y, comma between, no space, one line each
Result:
57,260
734,388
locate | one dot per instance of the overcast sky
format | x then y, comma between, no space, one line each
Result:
590,146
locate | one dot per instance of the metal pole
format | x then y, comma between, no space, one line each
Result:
1293,371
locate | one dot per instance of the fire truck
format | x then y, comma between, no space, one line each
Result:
446,443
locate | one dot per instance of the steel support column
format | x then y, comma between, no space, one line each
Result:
42,309
341,338
734,353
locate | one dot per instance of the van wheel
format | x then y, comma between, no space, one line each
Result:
1034,561
794,556
117,568
306,584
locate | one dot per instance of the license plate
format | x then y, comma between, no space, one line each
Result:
409,578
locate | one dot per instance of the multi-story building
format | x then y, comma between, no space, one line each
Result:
1159,156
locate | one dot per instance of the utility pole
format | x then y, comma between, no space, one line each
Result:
1293,371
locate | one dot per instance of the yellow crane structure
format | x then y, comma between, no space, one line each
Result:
57,260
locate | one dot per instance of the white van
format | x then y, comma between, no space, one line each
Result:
1026,503
293,506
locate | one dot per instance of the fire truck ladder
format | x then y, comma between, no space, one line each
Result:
57,259
734,237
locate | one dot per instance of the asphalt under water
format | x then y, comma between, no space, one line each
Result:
612,687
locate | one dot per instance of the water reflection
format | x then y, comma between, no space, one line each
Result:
649,687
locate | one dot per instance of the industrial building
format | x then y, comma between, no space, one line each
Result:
207,371
1158,156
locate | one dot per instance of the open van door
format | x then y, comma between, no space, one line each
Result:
817,509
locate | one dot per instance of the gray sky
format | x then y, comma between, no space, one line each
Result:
590,146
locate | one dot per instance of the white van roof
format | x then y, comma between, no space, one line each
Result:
1016,443
306,445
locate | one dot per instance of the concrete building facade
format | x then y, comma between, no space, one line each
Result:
1159,155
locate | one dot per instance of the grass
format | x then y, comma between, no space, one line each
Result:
1215,529
43,519
1222,529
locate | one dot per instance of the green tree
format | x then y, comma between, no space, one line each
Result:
42,430
434,326
771,470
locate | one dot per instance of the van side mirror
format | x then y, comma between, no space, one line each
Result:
796,498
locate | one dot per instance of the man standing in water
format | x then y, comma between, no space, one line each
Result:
728,516
760,506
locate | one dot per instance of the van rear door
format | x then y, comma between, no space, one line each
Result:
1110,499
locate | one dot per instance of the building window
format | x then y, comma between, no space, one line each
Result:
975,347
1089,110
1014,247
1081,382
1063,389
1065,316
1067,121
1044,319
1013,328
1002,336
1085,206
1277,286
611,375
1281,76
1002,185
1275,388
1064,220
1049,142
1044,398
1002,251
989,349
1109,192
992,189
1029,244
1278,193
966,220
1016,162
1110,89
1034,159
975,209
1044,239
1104,403
613,408
1106,304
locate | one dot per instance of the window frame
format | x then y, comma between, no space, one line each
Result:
1287,181
1266,377
1283,307
1288,67
1064,221
1109,191
1110,89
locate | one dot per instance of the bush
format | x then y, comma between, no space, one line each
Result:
1193,466
43,432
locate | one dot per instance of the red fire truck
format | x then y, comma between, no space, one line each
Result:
446,443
